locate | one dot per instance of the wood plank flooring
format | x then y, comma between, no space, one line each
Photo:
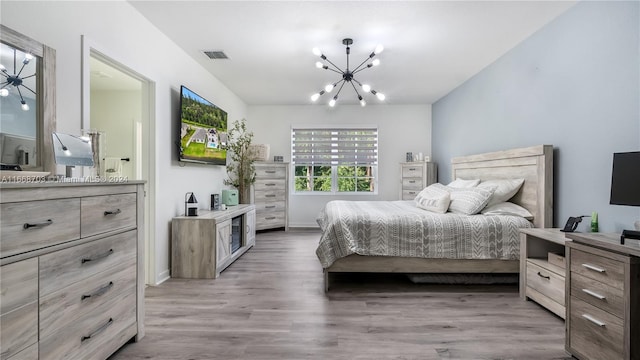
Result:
270,304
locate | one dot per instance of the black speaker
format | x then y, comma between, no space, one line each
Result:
215,201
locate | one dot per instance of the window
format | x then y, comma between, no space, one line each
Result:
335,160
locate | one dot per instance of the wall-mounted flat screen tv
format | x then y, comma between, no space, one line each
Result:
625,179
203,130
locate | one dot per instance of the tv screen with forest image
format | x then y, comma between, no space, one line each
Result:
203,130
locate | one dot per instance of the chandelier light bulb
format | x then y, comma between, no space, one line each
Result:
2,68
375,62
362,102
25,106
328,88
378,49
366,88
316,51
332,102
380,96
315,97
4,92
319,65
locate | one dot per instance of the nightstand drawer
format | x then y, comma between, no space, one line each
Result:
594,332
412,170
598,268
412,184
271,172
270,219
598,294
546,282
262,196
269,184
266,207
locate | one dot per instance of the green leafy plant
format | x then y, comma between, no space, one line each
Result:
240,169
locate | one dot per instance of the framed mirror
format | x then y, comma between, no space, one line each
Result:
27,102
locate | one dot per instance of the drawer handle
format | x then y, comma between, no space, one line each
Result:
270,171
412,192
594,294
115,212
269,184
98,257
272,195
100,291
412,181
594,268
594,320
412,169
37,225
270,218
545,277
98,331
270,207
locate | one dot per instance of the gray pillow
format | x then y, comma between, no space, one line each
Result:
469,201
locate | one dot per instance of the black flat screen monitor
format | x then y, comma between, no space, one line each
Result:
625,179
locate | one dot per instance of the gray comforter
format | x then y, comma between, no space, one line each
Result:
399,228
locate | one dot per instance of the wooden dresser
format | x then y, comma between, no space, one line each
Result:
603,297
415,176
71,269
271,195
202,246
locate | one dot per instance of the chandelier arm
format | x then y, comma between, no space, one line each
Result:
341,86
4,84
4,73
22,68
335,71
354,88
334,65
19,92
359,66
26,77
26,87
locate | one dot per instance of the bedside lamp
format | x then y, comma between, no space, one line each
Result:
625,188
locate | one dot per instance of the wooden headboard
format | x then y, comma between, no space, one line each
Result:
534,164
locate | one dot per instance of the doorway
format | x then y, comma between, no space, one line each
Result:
118,103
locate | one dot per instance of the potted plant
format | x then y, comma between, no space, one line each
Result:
240,169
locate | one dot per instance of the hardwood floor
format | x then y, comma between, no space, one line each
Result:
270,304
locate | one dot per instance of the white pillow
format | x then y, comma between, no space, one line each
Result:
469,201
507,208
434,198
462,183
505,189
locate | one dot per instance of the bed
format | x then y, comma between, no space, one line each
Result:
461,255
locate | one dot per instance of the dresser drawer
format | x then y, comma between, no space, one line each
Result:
271,172
19,329
270,220
30,353
598,294
409,194
412,184
595,332
598,268
412,171
32,225
18,284
107,213
262,196
269,184
546,282
86,336
66,305
65,267
271,206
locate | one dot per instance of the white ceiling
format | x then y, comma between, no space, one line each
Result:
431,47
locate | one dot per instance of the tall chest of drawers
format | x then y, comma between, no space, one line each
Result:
71,269
415,176
271,194
603,297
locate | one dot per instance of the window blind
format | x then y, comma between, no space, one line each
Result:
334,146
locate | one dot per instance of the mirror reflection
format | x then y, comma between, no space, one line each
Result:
18,107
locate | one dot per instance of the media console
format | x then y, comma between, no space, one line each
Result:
203,246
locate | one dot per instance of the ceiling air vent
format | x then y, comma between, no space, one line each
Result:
215,54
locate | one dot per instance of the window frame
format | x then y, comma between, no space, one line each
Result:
334,167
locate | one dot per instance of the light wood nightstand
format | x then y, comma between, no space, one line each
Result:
542,268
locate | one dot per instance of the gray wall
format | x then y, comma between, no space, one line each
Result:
574,84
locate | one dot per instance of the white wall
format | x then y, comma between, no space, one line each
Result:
401,128
120,32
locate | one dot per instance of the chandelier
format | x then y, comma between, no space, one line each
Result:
347,76
15,79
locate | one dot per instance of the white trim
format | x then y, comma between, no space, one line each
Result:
162,277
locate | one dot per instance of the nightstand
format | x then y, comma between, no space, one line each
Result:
542,268
415,176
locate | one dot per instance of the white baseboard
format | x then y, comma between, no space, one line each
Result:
304,225
162,277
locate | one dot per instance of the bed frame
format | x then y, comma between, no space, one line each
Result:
534,164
